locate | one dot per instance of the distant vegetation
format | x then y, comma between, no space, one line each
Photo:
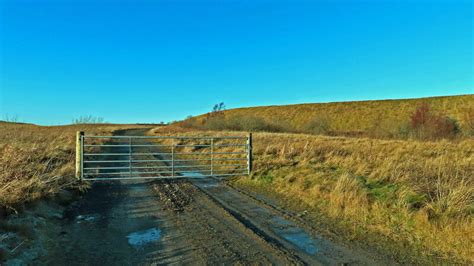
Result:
88,119
425,118
426,124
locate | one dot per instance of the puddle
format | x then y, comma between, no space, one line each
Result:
208,185
204,181
86,218
141,238
295,235
192,174
281,222
301,240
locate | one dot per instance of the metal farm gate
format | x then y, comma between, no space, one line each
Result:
140,157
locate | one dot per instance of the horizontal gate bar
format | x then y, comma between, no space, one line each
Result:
227,165
156,172
108,161
155,161
164,145
163,153
159,167
230,145
164,137
220,170
160,177
99,168
125,145
130,173
208,153
162,167
127,167
106,154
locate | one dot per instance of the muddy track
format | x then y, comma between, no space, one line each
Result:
291,255
220,237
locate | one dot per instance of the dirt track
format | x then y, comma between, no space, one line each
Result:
219,237
198,221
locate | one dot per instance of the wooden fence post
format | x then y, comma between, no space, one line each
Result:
79,151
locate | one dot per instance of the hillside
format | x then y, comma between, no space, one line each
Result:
350,118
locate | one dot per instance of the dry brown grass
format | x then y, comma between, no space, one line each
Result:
37,161
382,118
417,193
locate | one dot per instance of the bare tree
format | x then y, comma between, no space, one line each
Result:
88,119
12,119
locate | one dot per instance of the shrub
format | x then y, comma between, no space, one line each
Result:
242,123
189,122
215,123
215,120
319,125
403,130
425,124
383,128
252,123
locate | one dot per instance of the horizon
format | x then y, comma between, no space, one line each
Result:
19,121
147,62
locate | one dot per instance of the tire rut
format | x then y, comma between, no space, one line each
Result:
219,235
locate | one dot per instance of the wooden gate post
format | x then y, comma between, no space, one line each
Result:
249,153
79,151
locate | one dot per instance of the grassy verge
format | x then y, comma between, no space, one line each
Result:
418,196
36,161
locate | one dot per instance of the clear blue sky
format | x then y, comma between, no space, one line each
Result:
151,61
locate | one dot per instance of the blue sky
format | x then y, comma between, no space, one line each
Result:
151,61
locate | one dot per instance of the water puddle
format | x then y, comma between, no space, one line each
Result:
87,218
201,180
141,238
301,240
192,174
295,235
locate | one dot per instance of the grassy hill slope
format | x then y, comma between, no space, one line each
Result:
351,117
